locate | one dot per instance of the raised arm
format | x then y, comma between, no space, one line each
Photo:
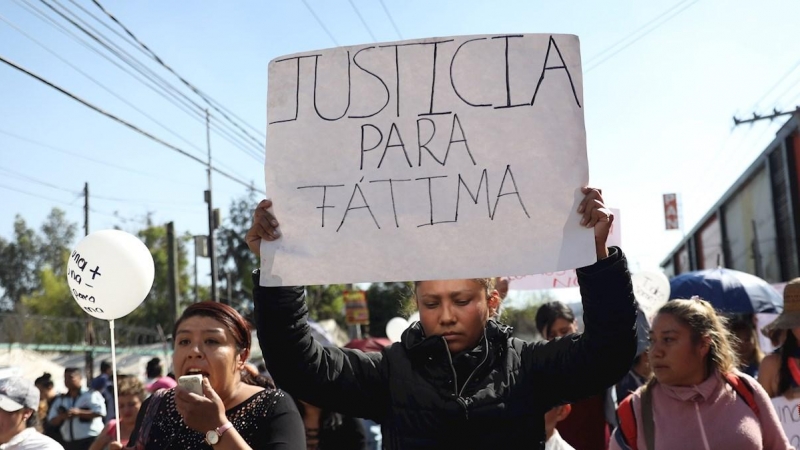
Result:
343,380
580,365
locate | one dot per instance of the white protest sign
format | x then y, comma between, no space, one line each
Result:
651,290
419,159
565,278
789,416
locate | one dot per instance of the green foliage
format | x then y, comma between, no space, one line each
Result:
234,257
52,298
18,264
386,301
157,309
326,302
523,320
57,238
523,317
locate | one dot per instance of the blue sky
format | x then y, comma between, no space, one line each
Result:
658,101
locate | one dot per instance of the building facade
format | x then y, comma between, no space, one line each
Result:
755,226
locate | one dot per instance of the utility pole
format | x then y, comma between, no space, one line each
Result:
757,117
85,209
172,271
211,224
89,356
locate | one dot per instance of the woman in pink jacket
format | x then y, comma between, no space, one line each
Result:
697,398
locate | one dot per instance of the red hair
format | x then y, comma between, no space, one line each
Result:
229,317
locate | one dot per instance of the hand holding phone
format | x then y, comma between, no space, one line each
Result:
192,383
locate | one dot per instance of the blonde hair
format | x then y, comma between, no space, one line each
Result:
704,322
130,385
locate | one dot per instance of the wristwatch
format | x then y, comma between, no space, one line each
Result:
212,436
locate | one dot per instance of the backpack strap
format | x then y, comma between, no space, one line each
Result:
744,390
627,422
648,424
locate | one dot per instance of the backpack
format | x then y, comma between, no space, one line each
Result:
627,417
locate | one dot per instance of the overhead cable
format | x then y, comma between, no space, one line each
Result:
161,62
117,119
363,22
319,22
391,20
663,17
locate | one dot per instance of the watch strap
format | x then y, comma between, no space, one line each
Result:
223,428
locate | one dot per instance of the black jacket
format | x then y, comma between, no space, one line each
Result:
492,397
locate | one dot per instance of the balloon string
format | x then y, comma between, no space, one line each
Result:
114,374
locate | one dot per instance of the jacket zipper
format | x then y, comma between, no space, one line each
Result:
452,367
485,357
455,376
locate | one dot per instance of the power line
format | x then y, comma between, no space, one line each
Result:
95,81
167,90
659,17
87,158
183,80
777,83
172,205
10,188
44,197
31,179
117,119
37,181
363,22
391,20
319,22
166,94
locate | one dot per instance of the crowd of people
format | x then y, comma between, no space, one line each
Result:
689,377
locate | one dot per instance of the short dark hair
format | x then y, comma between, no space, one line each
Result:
73,370
549,312
44,381
154,368
104,366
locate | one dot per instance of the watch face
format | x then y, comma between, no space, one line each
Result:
212,437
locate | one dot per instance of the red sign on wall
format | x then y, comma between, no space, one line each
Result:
671,221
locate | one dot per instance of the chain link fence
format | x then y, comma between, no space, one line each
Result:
48,330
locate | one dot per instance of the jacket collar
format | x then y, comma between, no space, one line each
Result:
414,339
431,355
697,393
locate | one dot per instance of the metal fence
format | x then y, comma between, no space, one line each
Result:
60,333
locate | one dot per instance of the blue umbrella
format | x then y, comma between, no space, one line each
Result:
729,291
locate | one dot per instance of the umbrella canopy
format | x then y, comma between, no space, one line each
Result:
370,344
729,291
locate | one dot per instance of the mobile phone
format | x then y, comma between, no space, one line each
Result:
192,383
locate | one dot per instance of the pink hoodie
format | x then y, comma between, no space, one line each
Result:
709,416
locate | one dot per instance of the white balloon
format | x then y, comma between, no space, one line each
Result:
413,318
651,290
110,273
395,327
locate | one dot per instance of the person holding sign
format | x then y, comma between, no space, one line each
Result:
457,378
230,409
697,399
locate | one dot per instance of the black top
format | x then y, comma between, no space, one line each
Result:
490,397
267,420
